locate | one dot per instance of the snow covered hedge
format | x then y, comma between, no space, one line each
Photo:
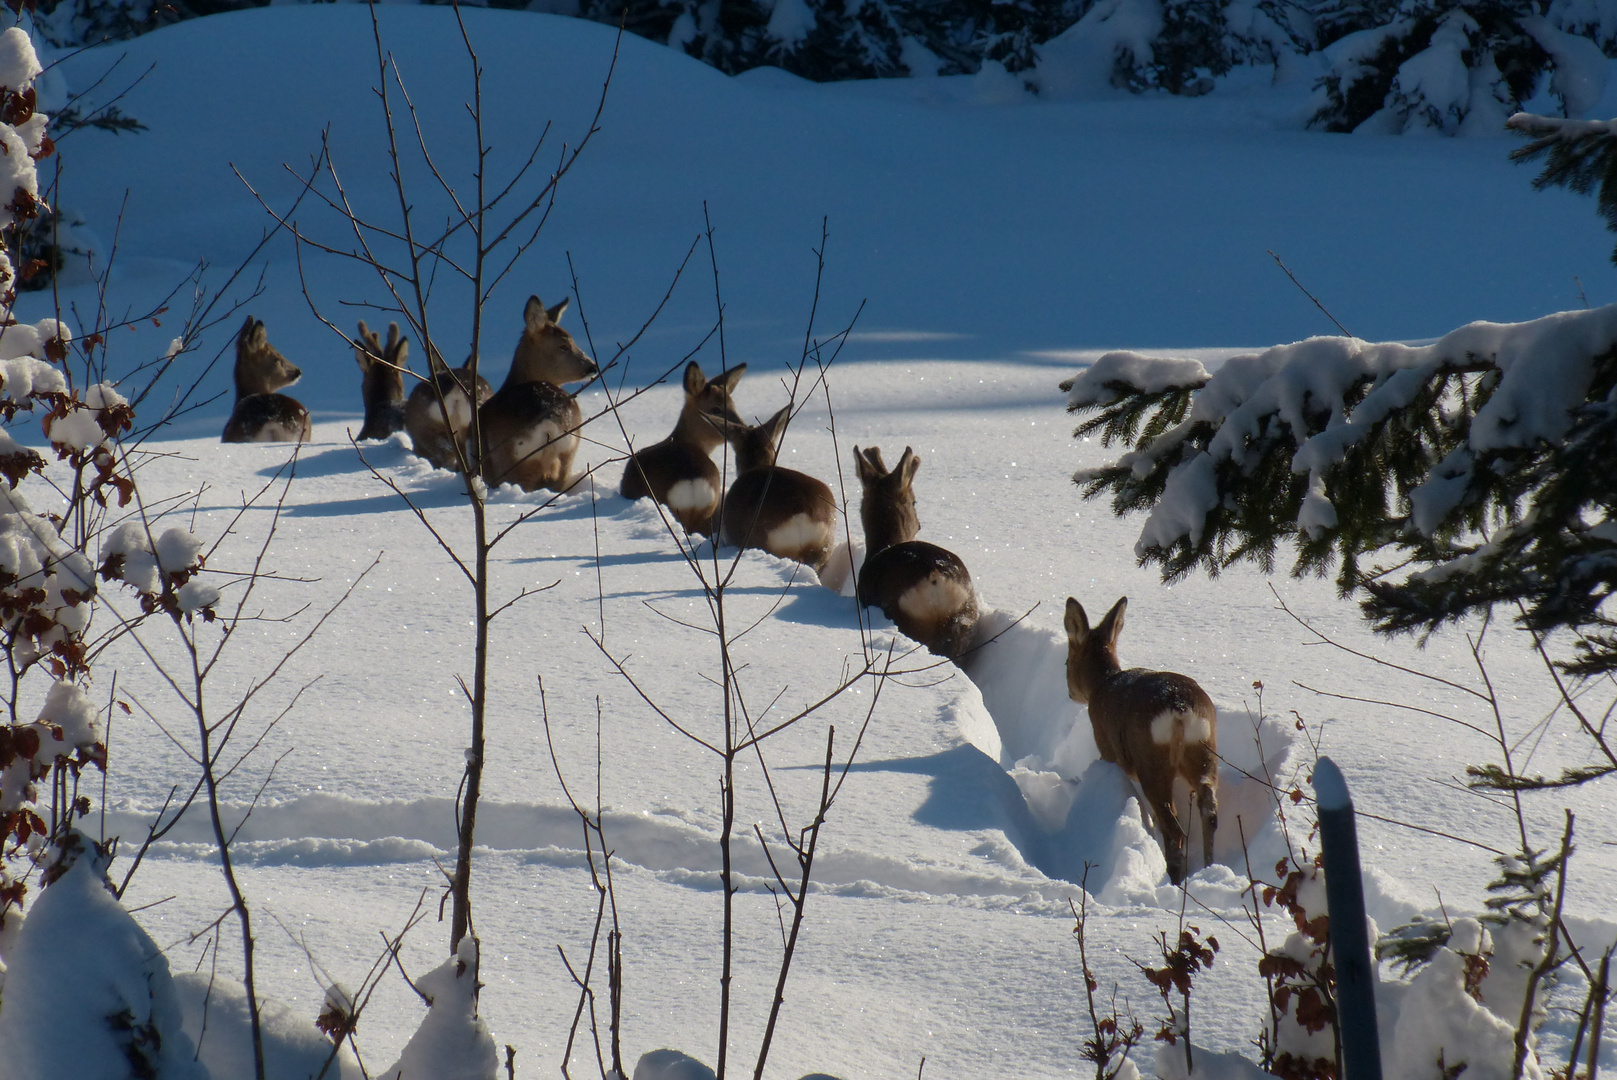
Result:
1475,460
1446,66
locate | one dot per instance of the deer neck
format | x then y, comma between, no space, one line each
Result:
887,524
1095,667
754,454
695,431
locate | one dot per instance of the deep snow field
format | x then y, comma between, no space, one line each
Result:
999,242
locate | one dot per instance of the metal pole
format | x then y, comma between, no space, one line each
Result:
1350,939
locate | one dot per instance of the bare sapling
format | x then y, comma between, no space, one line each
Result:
261,413
785,512
739,731
1188,954
382,370
679,471
1116,1032
925,589
1157,726
529,428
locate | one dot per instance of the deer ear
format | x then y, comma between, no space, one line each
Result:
731,377
559,310
362,351
777,425
534,314
1112,626
907,465
695,381
878,467
1077,622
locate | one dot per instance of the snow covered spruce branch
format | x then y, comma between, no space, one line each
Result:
1465,472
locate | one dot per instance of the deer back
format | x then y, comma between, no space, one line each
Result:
530,425
679,471
381,380
261,414
785,512
438,414
925,589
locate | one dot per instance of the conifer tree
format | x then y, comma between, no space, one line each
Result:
1448,65
1439,482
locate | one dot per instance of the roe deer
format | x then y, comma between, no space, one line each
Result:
262,415
1154,725
782,511
679,471
439,413
381,380
530,425
925,589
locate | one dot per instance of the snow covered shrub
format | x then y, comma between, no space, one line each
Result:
1449,68
1179,46
88,994
1479,994
451,1043
1300,1040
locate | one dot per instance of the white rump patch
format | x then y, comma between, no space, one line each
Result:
691,495
533,440
935,598
799,531
1196,728
459,408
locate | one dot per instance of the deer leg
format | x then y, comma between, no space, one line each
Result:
1173,833
1207,807
1147,818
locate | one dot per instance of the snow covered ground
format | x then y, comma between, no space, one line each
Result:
999,245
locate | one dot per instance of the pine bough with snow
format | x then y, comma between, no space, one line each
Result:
1474,464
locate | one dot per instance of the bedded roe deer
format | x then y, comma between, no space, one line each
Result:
381,386
925,589
1154,725
261,414
438,414
679,471
530,425
784,512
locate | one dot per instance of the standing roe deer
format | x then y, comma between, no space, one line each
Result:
679,471
784,512
1154,725
439,413
261,414
925,589
530,425
381,380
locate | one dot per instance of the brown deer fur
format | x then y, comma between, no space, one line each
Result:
679,471
925,589
381,384
782,511
1154,725
438,414
261,414
530,425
